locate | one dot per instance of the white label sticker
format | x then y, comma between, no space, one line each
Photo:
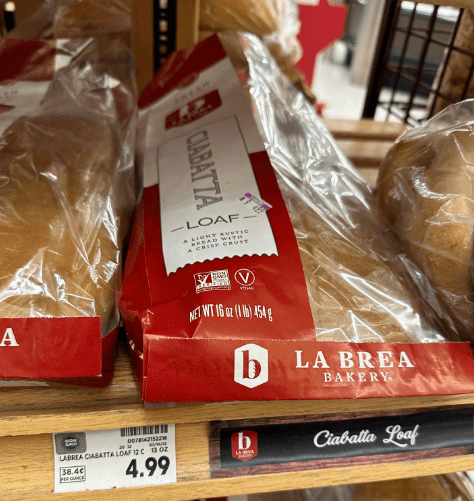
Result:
254,204
201,177
19,99
108,459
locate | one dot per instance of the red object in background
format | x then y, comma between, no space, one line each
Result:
50,348
319,107
320,25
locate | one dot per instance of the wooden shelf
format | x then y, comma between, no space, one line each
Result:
364,129
27,472
28,417
364,153
365,142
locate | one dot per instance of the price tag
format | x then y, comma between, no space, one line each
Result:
107,459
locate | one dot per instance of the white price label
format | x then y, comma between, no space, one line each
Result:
107,459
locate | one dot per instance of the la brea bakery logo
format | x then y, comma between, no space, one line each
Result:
251,365
363,366
244,445
195,109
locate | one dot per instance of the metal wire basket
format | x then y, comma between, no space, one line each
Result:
424,61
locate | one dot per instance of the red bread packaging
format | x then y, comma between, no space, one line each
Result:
258,265
67,192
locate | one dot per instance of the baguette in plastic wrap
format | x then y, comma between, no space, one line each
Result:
284,60
275,22
259,17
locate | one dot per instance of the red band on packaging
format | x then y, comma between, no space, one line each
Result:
181,69
33,61
108,363
216,370
50,348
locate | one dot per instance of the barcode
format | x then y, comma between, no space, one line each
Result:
143,430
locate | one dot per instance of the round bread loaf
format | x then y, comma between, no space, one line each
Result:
425,188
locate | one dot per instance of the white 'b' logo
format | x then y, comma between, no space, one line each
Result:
244,441
251,365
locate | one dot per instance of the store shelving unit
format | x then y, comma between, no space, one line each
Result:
29,416
423,61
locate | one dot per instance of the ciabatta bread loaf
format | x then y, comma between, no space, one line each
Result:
60,231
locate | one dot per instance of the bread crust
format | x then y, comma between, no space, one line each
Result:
60,232
425,188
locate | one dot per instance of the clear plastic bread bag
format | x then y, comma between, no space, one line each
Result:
83,18
274,21
425,187
358,279
68,180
